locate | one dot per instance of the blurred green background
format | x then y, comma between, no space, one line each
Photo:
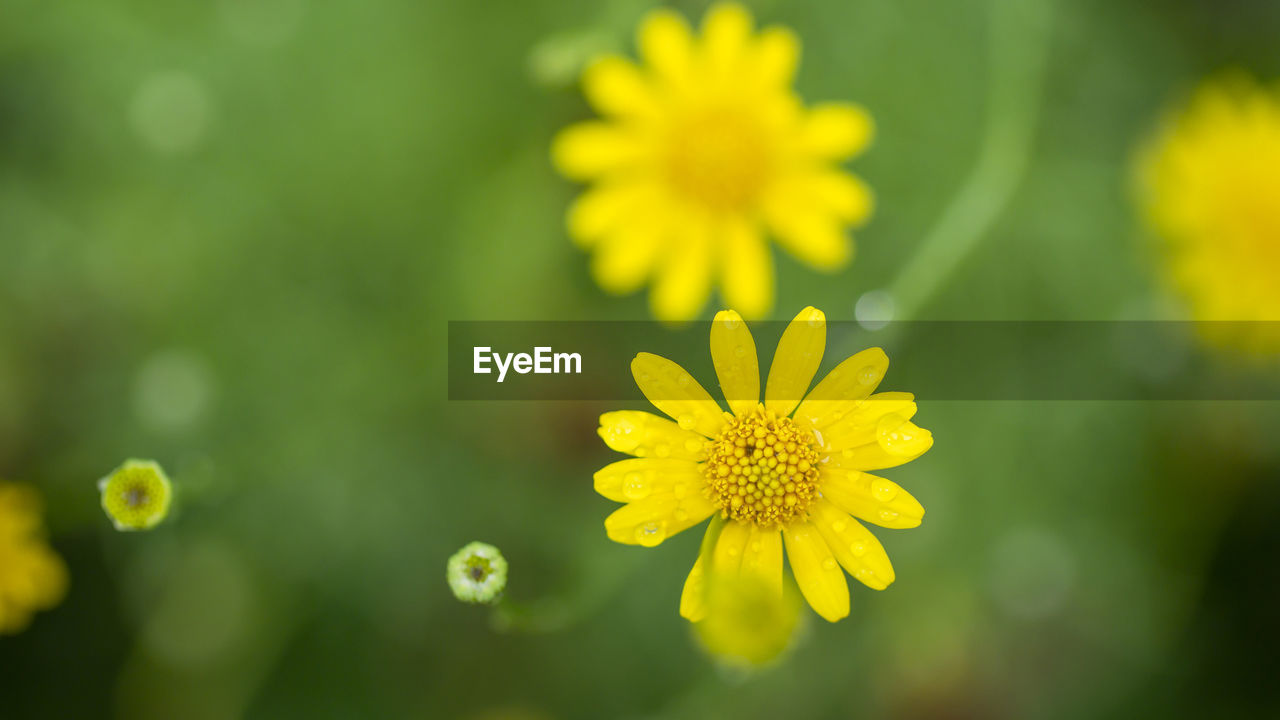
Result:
231,235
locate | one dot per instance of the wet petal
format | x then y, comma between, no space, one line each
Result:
639,478
853,546
795,361
673,390
649,521
817,571
871,498
898,441
856,423
846,384
693,598
733,352
646,435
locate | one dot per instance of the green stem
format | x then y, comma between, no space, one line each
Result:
1018,51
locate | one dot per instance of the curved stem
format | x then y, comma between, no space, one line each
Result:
1018,51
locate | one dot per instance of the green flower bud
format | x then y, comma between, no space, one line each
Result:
477,574
136,495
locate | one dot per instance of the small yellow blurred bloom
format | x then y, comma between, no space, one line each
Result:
1210,183
136,495
748,625
32,576
704,148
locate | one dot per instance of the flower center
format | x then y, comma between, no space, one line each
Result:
717,158
763,469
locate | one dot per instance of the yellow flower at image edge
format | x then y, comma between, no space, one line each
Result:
136,495
703,149
1211,190
32,576
789,472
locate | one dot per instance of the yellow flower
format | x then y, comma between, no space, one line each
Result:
1211,189
782,473
702,150
32,576
748,625
136,495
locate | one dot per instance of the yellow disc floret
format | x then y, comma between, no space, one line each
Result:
136,496
763,469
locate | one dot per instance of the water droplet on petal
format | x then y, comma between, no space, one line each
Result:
888,515
662,450
651,533
692,446
883,490
634,487
839,526
858,549
829,564
686,422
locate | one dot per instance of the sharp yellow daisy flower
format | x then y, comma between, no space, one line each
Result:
702,150
1211,189
789,472
32,576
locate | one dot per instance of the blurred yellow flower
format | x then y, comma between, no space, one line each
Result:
136,495
782,473
32,576
701,150
748,625
1211,190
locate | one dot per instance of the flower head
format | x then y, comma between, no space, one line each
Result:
32,576
789,472
748,625
136,495
702,150
477,573
1211,190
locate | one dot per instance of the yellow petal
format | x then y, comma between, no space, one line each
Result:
795,361
836,131
626,258
814,236
762,557
666,44
871,498
693,598
746,269
733,352
853,545
845,196
591,149
646,435
726,30
726,558
649,521
856,423
777,56
684,280
639,478
673,390
615,86
846,384
817,572
898,441
606,208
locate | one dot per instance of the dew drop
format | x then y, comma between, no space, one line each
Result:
662,450
692,446
829,564
858,549
888,515
883,490
868,376
651,533
838,526
740,351
686,422
634,487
